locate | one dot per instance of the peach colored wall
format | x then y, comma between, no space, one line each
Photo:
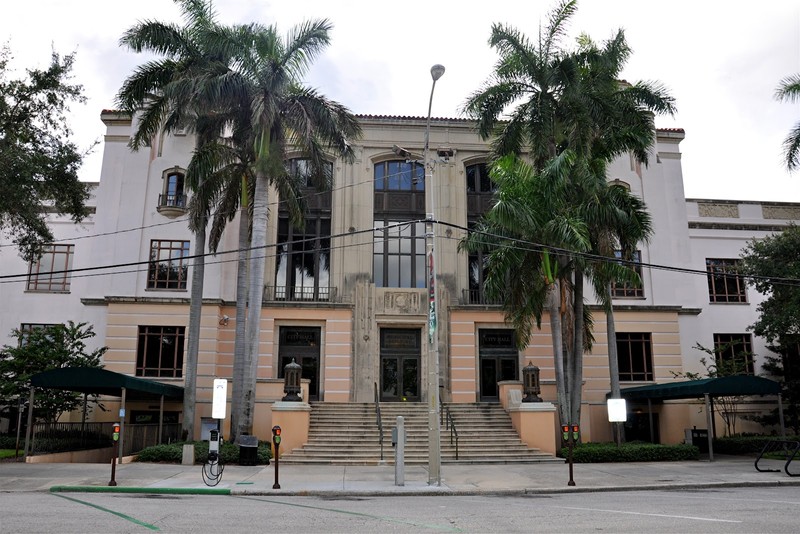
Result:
536,425
293,418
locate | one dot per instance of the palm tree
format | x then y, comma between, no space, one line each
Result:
282,115
566,102
789,91
165,95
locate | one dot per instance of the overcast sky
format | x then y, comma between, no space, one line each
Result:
721,60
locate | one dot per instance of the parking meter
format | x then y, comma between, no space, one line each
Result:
115,450
565,433
115,435
575,433
276,440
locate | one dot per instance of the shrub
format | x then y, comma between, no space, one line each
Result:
10,442
173,453
631,452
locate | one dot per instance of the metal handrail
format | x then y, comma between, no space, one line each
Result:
446,420
378,419
775,445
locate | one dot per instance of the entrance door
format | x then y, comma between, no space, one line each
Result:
302,345
498,360
400,364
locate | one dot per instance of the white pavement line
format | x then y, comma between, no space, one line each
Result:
650,515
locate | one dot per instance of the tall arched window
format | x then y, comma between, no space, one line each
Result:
302,269
480,195
398,254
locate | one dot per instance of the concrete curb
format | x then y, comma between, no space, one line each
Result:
432,492
132,489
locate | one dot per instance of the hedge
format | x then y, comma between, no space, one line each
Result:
630,452
173,453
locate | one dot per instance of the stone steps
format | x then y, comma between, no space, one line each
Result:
347,434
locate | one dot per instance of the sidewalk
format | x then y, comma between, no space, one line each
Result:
380,480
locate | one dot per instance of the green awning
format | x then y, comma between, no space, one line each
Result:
714,387
97,381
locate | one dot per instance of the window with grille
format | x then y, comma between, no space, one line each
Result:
159,351
169,265
625,290
724,282
635,356
26,329
398,253
51,271
480,195
734,354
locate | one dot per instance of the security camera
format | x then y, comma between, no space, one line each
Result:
445,153
402,152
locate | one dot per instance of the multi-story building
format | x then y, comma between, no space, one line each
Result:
346,296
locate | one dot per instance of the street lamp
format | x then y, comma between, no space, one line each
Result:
434,436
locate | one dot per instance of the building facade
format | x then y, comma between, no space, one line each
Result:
345,295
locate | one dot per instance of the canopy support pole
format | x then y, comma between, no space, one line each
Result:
710,419
122,413
29,428
160,419
780,416
650,417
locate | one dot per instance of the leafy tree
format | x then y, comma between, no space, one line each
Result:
39,162
789,91
786,369
42,349
167,94
772,266
571,113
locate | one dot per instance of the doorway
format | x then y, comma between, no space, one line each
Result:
400,364
498,360
302,345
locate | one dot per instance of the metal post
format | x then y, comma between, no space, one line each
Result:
710,420
780,417
29,429
122,428
20,409
400,453
650,418
160,419
434,429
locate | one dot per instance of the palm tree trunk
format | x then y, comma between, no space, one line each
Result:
241,321
554,308
576,380
254,298
193,336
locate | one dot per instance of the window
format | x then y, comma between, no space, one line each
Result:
724,282
399,241
733,354
26,329
301,168
303,263
160,351
168,264
399,176
625,290
51,271
480,194
635,356
399,254
478,180
174,194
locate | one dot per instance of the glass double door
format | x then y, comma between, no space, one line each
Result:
301,344
400,365
498,360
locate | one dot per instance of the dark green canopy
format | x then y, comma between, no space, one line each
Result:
98,381
714,387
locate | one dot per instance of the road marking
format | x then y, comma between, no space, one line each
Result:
650,515
358,514
118,514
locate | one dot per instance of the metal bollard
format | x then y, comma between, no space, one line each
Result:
400,453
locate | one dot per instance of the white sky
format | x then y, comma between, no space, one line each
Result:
721,63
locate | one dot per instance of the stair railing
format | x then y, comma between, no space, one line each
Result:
378,419
446,420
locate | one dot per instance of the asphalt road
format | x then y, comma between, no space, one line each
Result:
728,510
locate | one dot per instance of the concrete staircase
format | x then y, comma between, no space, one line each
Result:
347,433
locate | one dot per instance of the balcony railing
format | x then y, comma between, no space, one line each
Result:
299,294
172,201
478,296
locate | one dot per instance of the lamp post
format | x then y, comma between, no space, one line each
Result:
434,435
